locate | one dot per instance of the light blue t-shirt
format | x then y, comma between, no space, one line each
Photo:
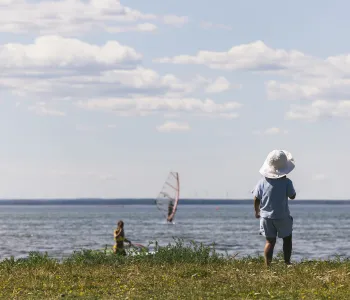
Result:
273,195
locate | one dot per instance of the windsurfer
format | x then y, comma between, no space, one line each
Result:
170,211
119,239
168,198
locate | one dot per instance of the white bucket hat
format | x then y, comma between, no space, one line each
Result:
277,164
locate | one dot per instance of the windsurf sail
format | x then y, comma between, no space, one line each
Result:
168,197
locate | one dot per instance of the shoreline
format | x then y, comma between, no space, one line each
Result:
148,201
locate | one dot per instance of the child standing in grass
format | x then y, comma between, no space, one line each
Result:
119,239
271,202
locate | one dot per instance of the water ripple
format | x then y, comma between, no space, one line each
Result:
319,231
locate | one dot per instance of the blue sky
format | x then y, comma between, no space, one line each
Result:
103,98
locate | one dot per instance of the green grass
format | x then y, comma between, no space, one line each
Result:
176,271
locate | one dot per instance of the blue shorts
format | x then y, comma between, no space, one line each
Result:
271,228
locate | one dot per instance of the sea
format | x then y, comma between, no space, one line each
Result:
60,227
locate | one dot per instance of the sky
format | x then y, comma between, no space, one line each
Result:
104,98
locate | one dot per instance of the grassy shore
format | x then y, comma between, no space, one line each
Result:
175,272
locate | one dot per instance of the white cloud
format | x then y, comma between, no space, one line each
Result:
271,131
258,57
142,78
143,106
310,89
211,86
177,21
275,130
221,84
322,89
290,91
42,109
320,109
210,25
6,2
342,62
118,82
254,56
173,126
106,77
144,27
66,17
317,98
319,177
94,128
64,54
69,68
227,115
323,82
85,128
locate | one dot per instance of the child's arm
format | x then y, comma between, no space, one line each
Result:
257,207
257,193
127,241
290,190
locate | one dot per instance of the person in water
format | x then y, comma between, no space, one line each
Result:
119,238
170,211
271,203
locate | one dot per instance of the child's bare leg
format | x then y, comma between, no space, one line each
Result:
268,251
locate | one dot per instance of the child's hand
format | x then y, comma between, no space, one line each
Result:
257,215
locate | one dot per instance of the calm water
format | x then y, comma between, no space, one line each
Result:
320,231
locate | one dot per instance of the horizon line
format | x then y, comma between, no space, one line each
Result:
149,198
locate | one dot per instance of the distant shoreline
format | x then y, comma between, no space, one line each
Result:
148,201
